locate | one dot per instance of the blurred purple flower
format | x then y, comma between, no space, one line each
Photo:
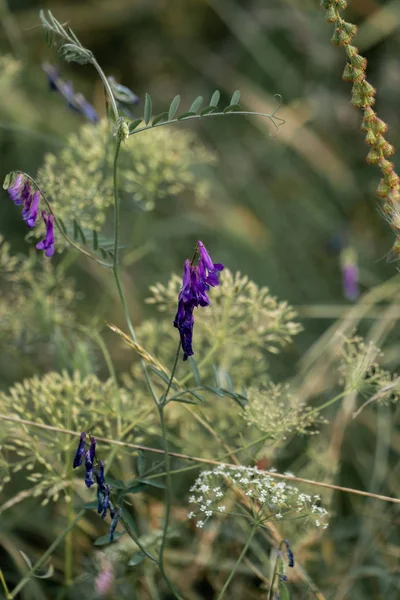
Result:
75,101
350,273
104,579
48,243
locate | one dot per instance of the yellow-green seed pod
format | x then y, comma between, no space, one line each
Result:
383,189
370,138
373,156
392,178
386,166
331,16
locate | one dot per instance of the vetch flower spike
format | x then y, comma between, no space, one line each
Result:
195,285
48,243
80,451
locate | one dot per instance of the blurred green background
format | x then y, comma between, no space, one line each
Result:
278,205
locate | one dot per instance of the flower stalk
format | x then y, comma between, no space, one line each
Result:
363,97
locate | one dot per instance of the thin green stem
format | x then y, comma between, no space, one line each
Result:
168,486
107,88
4,584
160,408
164,401
68,559
318,409
46,555
116,267
274,572
239,560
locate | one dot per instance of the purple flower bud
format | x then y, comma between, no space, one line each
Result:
80,451
89,463
209,269
114,524
15,190
48,243
106,503
30,211
99,474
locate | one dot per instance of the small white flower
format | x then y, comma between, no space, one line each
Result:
200,524
221,508
190,515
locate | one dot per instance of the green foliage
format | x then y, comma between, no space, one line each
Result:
72,402
78,181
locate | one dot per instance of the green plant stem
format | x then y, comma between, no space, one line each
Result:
318,409
116,267
4,584
239,560
69,549
158,404
107,88
271,587
165,400
46,555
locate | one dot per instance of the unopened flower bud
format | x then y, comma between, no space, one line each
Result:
373,156
383,189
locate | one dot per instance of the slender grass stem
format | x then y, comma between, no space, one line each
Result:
239,560
4,584
46,555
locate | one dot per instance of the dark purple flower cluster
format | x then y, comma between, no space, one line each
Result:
94,473
21,193
196,283
75,101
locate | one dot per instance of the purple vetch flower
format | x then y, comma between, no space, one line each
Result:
114,523
48,243
195,285
31,209
89,463
289,554
75,101
106,503
350,273
15,190
84,107
208,269
80,451
99,474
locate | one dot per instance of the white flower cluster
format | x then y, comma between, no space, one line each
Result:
272,499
